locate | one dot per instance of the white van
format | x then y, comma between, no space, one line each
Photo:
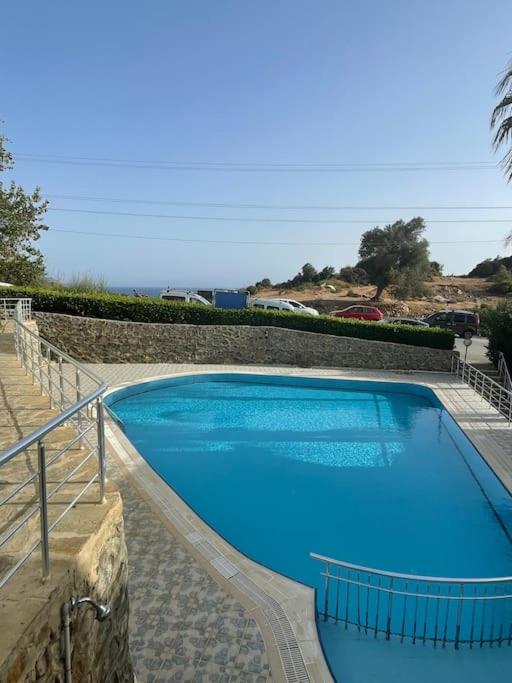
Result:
283,305
186,297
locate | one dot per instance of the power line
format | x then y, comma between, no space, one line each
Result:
256,164
258,167
241,242
291,207
246,219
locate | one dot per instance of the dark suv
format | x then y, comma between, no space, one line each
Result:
463,323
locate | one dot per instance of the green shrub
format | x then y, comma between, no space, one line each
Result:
86,283
153,310
502,281
497,322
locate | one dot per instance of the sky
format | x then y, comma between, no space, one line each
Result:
312,102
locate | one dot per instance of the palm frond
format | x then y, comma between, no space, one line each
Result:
506,80
503,132
502,109
506,163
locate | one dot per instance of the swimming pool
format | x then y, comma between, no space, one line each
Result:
373,473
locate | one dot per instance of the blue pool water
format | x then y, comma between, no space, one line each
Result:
376,474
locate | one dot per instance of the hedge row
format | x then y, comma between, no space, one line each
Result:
153,310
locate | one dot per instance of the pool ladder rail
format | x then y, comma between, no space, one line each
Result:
417,609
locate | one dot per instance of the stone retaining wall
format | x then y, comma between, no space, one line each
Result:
109,341
89,559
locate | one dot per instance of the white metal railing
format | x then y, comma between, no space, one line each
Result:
417,609
61,379
9,306
503,372
495,394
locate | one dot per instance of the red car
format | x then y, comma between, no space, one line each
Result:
359,313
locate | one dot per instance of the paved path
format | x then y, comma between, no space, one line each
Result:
476,352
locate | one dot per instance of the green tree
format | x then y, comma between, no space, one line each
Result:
264,284
325,274
436,269
498,324
353,275
388,253
503,281
20,226
308,273
501,119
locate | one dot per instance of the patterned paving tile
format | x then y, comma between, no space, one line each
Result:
183,625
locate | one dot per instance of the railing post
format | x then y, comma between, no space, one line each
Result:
101,447
326,596
390,609
43,509
32,366
50,383
61,384
78,397
39,354
459,616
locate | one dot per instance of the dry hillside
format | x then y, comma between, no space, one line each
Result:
444,292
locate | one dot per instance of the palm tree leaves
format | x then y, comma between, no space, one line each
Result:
501,119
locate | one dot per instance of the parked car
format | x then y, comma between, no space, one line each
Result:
282,305
406,321
185,296
359,313
463,323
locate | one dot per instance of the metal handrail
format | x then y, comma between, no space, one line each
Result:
441,610
8,306
504,372
65,357
60,419
49,368
494,393
407,577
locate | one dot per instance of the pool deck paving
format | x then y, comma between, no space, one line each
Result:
201,611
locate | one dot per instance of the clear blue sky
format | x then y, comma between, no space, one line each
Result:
273,81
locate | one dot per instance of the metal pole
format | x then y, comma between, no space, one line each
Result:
61,384
66,627
101,447
50,383
32,368
39,353
78,397
43,509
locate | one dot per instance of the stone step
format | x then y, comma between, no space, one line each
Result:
57,438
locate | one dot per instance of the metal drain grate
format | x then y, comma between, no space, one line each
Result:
289,651
208,550
225,567
194,537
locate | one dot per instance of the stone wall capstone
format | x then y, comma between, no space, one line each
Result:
111,341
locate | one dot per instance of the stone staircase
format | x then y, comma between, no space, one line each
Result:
490,370
23,409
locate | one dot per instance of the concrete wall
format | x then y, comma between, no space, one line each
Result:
89,559
108,341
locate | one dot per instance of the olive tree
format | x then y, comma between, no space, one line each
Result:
393,253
